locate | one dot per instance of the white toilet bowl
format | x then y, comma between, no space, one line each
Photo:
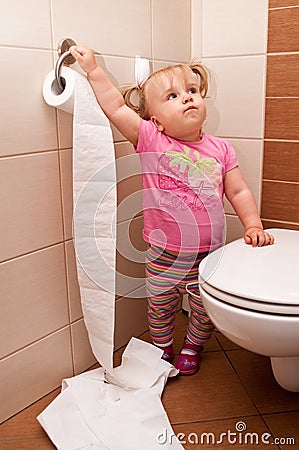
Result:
252,296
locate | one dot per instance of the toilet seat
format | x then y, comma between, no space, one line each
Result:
263,279
253,305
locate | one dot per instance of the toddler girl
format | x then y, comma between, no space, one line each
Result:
185,175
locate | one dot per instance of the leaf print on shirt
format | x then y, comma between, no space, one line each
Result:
185,161
177,169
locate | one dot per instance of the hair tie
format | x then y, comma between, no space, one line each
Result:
142,71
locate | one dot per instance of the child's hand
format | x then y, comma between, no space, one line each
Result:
257,237
85,57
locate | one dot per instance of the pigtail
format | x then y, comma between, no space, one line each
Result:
134,98
203,74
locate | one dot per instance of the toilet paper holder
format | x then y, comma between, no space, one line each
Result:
66,58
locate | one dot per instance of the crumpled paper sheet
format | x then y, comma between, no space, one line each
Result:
91,413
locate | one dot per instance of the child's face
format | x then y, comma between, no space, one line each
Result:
176,106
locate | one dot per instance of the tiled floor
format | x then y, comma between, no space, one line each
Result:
234,388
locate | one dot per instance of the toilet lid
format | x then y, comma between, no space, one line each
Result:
258,277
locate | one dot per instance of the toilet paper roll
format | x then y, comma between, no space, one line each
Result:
65,99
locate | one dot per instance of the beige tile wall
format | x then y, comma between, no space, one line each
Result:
280,200
234,45
43,337
251,49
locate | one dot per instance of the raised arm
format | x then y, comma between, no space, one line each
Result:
243,202
108,96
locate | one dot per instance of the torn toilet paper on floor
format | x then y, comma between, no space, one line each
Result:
107,408
126,415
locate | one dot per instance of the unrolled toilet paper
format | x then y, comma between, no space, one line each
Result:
108,408
94,189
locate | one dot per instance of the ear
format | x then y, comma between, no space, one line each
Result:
158,124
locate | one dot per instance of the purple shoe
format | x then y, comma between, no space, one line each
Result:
189,359
168,354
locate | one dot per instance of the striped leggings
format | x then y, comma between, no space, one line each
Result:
166,279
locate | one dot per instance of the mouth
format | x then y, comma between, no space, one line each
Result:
190,108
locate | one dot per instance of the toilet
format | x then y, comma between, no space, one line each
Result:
251,294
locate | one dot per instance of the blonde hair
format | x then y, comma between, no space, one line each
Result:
135,97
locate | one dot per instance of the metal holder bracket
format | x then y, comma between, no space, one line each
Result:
66,58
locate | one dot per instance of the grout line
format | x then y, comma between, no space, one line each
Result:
284,411
32,251
240,379
238,55
68,300
280,181
291,141
283,7
240,138
21,438
279,221
268,427
218,419
62,206
68,297
28,408
51,22
21,47
49,150
152,29
282,53
38,152
280,98
36,341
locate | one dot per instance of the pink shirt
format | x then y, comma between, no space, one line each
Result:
183,189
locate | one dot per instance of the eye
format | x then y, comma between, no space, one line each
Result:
192,90
171,96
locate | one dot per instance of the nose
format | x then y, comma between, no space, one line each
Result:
187,97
